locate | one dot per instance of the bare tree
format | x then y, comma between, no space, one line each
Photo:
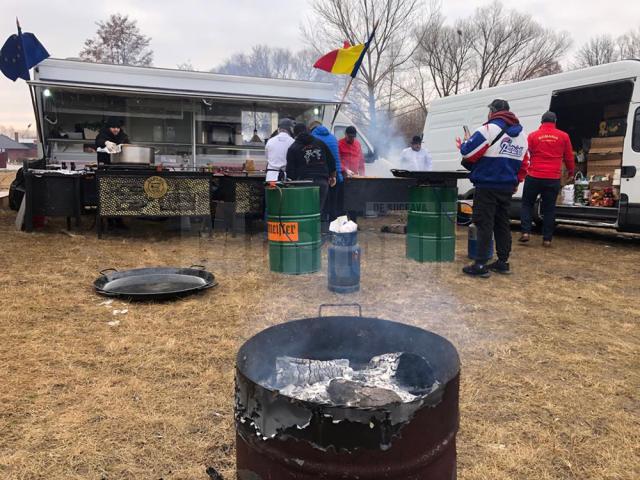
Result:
394,43
118,40
511,46
188,66
269,62
597,51
629,45
447,52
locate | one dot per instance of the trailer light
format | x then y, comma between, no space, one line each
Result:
316,111
46,92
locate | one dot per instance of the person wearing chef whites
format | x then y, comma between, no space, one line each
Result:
109,139
276,150
415,158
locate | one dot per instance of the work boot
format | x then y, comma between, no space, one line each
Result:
500,267
477,270
524,238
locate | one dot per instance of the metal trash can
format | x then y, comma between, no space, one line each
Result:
431,225
293,226
344,263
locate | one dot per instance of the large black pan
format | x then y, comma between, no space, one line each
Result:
449,176
158,283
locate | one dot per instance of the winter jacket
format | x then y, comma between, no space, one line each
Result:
548,147
500,166
322,133
105,135
309,158
351,156
276,153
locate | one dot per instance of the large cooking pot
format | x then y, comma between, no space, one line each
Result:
134,154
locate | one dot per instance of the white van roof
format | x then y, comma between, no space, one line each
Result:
100,76
540,86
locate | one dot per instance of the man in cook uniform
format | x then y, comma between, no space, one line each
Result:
416,158
276,150
109,138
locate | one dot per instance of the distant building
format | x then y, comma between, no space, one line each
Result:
17,151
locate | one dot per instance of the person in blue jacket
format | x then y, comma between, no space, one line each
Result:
336,194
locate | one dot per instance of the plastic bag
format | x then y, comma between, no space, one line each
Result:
567,195
343,225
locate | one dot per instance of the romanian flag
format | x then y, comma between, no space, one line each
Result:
343,61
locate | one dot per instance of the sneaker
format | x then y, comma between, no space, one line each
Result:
546,243
477,270
524,238
500,267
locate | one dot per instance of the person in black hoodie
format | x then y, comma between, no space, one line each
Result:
310,159
112,132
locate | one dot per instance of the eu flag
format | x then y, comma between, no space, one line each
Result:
19,53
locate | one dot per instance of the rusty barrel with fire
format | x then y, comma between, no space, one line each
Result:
346,398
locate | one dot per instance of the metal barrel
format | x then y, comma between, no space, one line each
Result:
344,263
431,225
283,438
293,226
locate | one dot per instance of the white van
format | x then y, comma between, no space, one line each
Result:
599,107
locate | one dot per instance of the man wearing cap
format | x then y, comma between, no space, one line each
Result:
415,157
351,155
276,150
109,138
496,154
548,148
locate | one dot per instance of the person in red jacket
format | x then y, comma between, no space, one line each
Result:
548,148
351,153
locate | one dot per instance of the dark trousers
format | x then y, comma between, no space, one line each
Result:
336,201
491,217
548,189
323,184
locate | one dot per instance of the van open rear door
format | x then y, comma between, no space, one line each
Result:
629,215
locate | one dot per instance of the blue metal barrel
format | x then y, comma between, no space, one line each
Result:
344,263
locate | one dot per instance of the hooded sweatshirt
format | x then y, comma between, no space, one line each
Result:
276,153
309,158
500,166
322,133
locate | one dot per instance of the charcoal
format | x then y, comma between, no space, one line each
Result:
355,394
414,373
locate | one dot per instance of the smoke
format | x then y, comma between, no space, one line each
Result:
388,143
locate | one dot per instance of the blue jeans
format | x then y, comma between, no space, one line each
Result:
548,189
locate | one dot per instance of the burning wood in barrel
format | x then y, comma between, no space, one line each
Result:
346,398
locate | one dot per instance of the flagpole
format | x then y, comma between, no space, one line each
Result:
344,95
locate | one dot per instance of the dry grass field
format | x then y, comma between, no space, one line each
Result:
550,355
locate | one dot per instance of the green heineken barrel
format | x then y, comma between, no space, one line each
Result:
431,226
293,226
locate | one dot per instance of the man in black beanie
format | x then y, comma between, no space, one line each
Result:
310,159
110,136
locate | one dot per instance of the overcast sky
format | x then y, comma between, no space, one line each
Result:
206,32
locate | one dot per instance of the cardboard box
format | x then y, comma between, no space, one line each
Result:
606,145
600,171
616,110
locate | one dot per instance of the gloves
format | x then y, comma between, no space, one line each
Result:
111,147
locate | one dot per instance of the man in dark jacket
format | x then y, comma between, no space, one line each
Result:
335,197
497,156
109,137
310,159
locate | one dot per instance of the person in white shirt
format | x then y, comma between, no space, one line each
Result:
416,158
276,150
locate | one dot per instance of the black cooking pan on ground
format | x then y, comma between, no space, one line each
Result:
158,283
